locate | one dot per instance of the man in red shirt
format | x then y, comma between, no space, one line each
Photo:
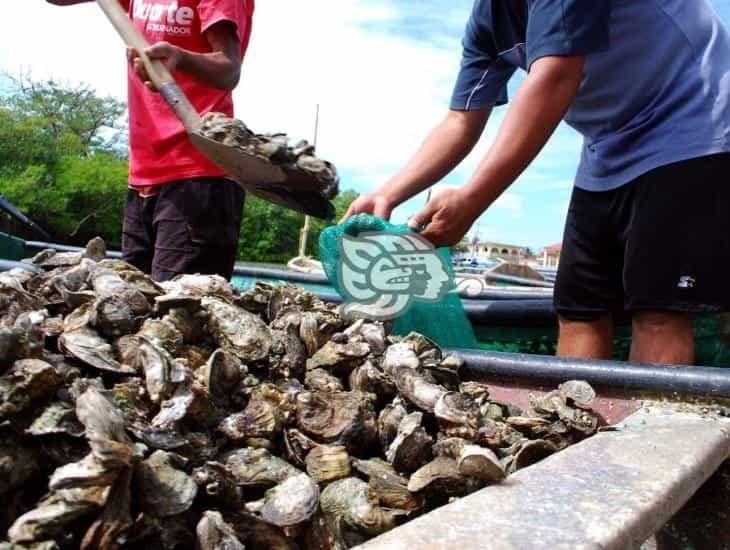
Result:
182,215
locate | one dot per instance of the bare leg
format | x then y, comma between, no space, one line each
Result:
663,337
586,339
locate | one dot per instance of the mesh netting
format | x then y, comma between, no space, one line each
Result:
445,322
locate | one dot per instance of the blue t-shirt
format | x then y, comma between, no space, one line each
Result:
656,84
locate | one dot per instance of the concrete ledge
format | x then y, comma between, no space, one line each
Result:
612,491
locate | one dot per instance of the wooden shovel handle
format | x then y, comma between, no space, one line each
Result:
156,69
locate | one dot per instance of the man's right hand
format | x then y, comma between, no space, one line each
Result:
373,203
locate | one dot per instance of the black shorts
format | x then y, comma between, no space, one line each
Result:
659,243
190,226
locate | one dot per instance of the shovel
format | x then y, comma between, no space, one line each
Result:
288,188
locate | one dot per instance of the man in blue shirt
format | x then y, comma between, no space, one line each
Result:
647,83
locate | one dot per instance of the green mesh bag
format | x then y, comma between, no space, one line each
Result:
445,321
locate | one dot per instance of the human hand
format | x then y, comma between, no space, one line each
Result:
447,217
169,54
376,204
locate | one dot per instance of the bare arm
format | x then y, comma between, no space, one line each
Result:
67,2
444,148
539,106
220,68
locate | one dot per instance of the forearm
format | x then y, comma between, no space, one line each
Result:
538,107
213,69
443,149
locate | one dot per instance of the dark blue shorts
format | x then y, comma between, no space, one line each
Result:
659,243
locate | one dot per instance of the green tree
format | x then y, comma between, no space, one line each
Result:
270,233
73,116
60,161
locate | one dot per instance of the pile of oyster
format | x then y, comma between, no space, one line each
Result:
187,414
273,148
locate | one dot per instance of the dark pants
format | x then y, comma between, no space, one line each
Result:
190,226
658,243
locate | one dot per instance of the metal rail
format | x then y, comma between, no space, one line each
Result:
699,381
22,218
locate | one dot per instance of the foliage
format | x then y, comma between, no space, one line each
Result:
270,233
59,159
74,117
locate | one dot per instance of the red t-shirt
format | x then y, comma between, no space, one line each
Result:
160,150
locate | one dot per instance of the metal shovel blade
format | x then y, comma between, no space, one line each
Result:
286,188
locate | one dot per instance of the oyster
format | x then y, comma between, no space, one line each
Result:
238,331
339,357
346,418
369,379
214,533
411,447
327,463
291,502
440,479
219,485
165,489
387,487
416,388
264,416
321,380
26,382
257,467
89,347
347,505
223,374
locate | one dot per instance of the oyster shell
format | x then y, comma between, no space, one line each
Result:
327,463
165,489
321,380
264,416
411,447
291,502
26,382
89,347
416,389
346,418
257,467
339,357
347,505
214,533
440,479
387,487
238,331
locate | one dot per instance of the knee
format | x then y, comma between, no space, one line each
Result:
658,322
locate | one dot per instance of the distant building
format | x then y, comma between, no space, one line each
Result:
484,251
551,255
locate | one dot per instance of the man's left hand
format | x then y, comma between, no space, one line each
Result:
163,51
447,217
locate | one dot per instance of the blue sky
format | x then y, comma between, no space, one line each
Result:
382,71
